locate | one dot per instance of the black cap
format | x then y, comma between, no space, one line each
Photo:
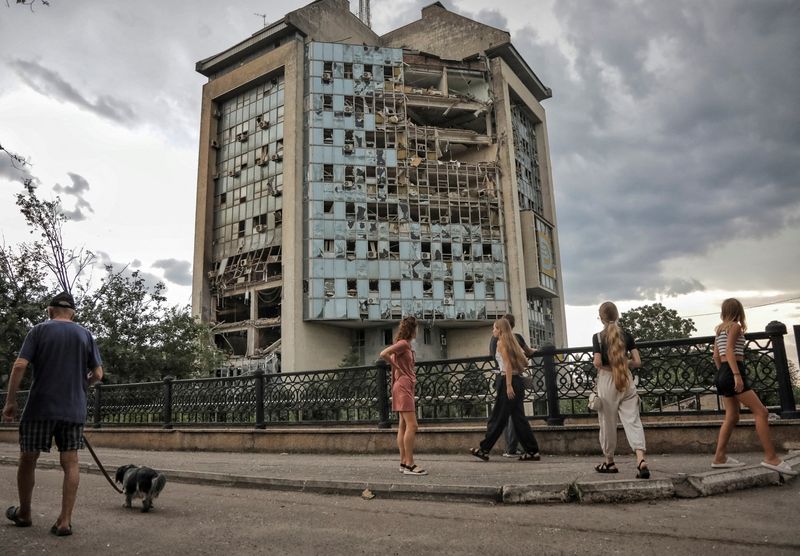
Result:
64,300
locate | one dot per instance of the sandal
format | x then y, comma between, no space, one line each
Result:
480,454
606,468
403,467
413,469
642,472
529,456
66,532
11,513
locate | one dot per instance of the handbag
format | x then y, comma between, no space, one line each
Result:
594,401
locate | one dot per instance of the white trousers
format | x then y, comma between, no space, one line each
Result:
613,403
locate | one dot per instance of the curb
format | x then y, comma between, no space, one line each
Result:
595,492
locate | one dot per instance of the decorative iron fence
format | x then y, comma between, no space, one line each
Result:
676,378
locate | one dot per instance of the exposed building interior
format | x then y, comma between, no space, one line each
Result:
246,277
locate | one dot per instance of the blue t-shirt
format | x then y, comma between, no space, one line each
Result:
61,353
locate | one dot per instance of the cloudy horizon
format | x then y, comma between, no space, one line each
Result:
673,129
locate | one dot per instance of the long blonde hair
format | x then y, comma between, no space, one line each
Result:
732,312
615,345
511,347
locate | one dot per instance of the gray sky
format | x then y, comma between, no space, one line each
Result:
674,131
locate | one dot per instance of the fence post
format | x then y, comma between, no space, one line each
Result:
776,330
554,417
259,375
98,408
168,401
382,384
796,329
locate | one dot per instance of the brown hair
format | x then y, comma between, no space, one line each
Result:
510,318
407,329
615,345
732,312
510,345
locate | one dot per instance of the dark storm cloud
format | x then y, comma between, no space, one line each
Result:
175,271
104,261
133,66
50,83
12,169
77,189
675,131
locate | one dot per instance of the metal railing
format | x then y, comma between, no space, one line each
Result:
676,378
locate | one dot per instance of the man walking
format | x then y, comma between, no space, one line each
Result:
511,438
65,363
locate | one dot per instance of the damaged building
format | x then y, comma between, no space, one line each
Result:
345,183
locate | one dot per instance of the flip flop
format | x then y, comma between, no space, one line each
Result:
11,513
782,467
61,532
729,463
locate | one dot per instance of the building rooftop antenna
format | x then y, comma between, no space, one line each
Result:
263,18
363,13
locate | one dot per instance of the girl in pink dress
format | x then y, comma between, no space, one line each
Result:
402,357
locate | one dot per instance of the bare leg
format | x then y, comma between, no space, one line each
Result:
725,431
410,435
640,456
401,432
69,493
26,479
761,415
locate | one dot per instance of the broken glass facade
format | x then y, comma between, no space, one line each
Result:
529,191
396,221
246,248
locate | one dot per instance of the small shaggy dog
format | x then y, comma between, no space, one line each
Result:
140,482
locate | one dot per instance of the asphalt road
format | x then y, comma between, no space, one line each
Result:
191,519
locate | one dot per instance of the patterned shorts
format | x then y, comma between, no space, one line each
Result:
37,436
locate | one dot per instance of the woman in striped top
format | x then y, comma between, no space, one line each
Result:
732,383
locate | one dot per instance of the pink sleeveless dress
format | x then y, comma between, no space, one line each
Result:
404,377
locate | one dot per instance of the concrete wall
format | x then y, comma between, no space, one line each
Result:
468,342
332,21
446,34
508,189
687,437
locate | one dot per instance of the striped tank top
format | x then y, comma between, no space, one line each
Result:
722,344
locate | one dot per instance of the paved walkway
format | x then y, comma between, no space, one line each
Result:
451,477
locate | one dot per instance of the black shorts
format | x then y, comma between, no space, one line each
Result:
37,436
725,383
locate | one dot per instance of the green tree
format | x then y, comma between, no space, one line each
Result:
656,322
139,337
670,372
23,292
47,218
186,345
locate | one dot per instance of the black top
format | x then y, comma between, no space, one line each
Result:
630,344
520,341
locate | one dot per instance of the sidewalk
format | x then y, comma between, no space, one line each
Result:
451,476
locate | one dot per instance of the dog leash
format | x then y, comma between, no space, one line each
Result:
100,465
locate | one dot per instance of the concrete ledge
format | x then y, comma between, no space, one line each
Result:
624,491
536,494
720,482
676,437
466,493
727,480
